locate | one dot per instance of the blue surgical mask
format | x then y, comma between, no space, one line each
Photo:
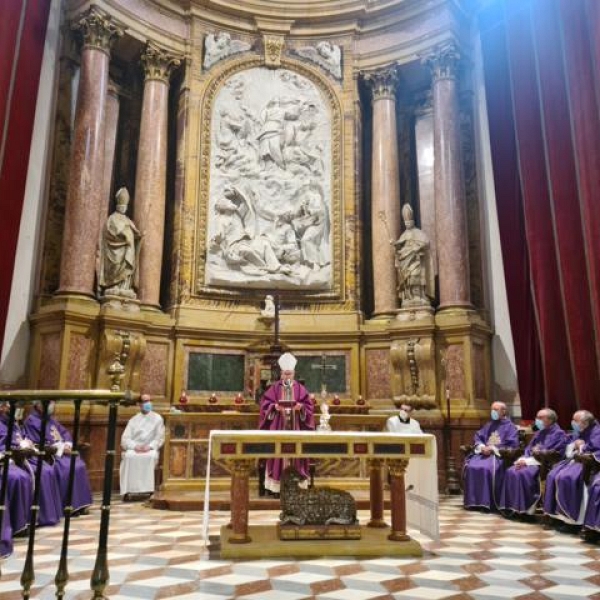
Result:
147,406
539,424
575,427
495,415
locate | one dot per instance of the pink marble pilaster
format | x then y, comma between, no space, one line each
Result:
85,187
385,189
151,174
449,187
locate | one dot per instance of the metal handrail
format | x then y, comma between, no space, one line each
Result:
112,399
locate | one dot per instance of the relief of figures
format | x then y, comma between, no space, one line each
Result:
269,212
218,46
326,55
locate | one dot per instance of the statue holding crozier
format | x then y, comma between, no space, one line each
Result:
286,405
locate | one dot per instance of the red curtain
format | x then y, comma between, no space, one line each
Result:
22,37
542,101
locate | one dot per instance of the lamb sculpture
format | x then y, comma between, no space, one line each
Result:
314,506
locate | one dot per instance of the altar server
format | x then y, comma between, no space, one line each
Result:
141,442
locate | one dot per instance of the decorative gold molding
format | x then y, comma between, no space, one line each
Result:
213,87
97,29
443,61
273,45
383,82
158,64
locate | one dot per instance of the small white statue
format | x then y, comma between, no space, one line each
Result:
324,418
268,312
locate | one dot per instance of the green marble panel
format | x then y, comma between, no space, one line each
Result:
216,372
309,369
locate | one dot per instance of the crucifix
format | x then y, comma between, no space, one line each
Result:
323,367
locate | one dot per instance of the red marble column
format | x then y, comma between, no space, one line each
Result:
398,500
110,141
240,499
151,174
385,190
376,493
449,187
85,191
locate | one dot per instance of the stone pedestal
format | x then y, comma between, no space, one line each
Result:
385,192
413,357
85,188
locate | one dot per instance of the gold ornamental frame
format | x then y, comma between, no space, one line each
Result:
337,292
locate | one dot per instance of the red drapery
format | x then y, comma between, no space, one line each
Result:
22,37
542,95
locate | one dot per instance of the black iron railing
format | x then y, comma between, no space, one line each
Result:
100,574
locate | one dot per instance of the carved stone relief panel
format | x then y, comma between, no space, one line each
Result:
269,210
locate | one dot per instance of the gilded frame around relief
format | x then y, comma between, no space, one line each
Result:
332,98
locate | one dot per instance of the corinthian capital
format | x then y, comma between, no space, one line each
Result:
383,82
158,63
443,61
97,29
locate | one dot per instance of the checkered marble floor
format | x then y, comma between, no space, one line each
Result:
161,554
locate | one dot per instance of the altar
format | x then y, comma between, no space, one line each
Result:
239,451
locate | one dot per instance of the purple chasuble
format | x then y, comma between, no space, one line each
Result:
565,489
592,513
55,433
521,490
273,419
483,476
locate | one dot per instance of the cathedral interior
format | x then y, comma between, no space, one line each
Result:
401,193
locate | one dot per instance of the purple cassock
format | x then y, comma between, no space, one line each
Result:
19,492
521,490
591,519
483,476
6,535
565,495
274,420
56,434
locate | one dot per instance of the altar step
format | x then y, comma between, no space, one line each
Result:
187,501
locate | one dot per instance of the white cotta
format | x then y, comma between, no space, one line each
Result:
137,468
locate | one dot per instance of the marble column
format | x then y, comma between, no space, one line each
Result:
240,500
151,174
110,142
375,466
385,189
85,187
449,187
397,469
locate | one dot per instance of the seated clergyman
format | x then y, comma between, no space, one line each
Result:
57,437
565,498
521,491
141,442
483,473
